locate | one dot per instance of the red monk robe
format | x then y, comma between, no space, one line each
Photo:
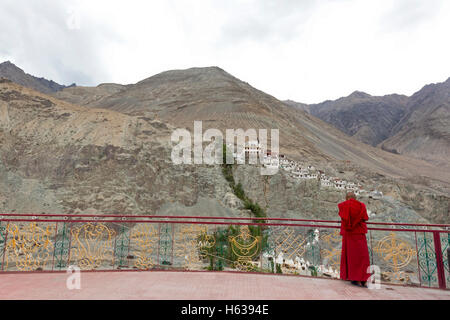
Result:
355,254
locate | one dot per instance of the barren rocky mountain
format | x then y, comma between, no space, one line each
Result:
222,101
112,154
56,157
417,126
367,118
298,105
424,131
11,72
420,103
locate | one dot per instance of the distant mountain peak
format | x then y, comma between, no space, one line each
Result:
359,94
212,73
10,71
198,70
7,62
9,65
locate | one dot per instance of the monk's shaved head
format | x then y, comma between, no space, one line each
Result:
350,195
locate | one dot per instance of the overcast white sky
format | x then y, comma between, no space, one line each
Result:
303,50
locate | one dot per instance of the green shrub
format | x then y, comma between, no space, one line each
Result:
279,268
253,207
313,271
239,191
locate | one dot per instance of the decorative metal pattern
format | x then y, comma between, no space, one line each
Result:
427,260
49,243
2,242
143,239
332,252
268,254
121,248
397,254
62,243
221,246
92,245
445,244
290,243
192,242
245,247
312,253
28,246
165,244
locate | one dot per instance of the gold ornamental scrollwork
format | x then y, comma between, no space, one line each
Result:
332,254
143,240
29,246
91,245
289,243
192,243
245,247
396,253
205,241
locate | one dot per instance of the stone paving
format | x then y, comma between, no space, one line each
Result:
198,285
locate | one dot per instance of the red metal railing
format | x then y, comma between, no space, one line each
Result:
51,242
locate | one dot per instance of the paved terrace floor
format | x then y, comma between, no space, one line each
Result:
197,285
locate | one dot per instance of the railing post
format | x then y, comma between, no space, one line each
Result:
439,260
4,246
54,250
448,259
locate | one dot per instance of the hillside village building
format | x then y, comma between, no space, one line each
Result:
271,161
301,171
252,147
325,182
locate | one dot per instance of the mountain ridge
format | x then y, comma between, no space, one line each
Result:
10,71
56,156
373,120
399,123
222,101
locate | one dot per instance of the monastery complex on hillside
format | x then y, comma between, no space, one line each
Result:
300,171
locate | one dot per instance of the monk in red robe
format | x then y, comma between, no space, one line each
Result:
355,254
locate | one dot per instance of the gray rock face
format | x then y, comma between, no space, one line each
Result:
60,158
420,103
424,131
417,126
283,196
221,101
57,157
9,71
232,201
364,117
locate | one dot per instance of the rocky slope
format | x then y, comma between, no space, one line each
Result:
424,131
420,103
222,101
57,156
367,118
298,105
287,197
11,72
417,126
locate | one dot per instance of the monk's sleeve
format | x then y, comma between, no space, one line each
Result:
359,215
344,213
364,215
